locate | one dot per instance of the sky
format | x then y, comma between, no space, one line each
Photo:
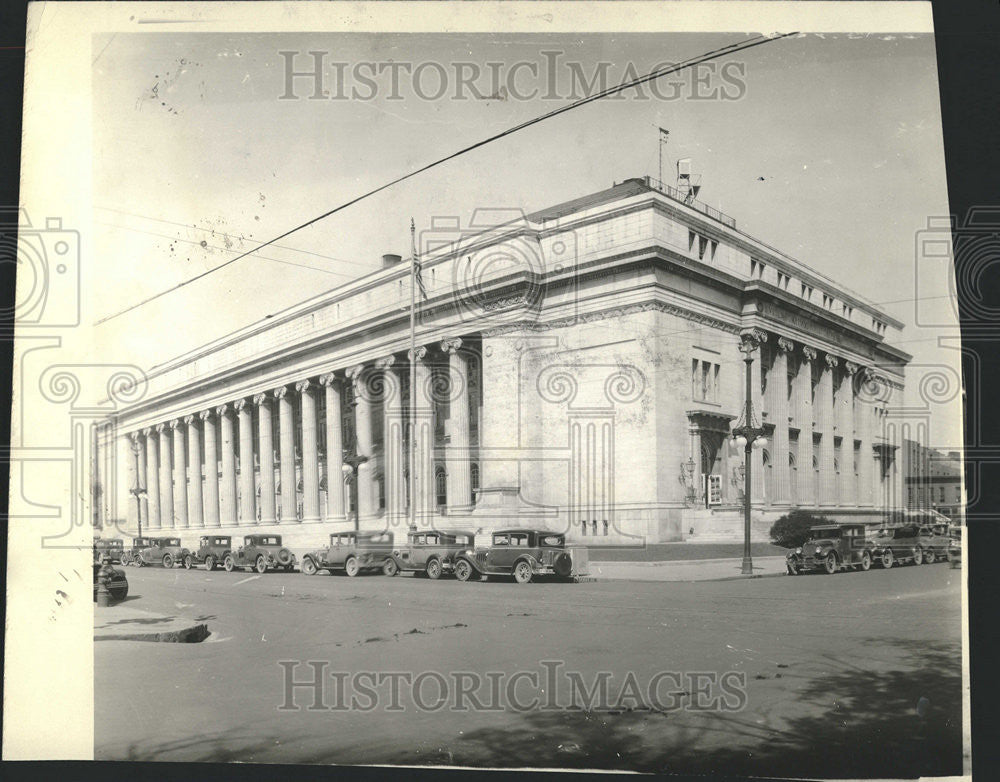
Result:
827,147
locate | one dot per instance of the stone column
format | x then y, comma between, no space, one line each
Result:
310,452
152,479
825,423
848,490
334,449
367,501
392,446
195,503
423,438
757,454
863,422
180,475
458,464
167,519
140,441
286,444
778,390
227,499
267,509
248,488
804,420
212,518
697,476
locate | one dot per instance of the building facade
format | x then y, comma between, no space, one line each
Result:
932,479
578,369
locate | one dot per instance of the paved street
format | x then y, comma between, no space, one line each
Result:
851,675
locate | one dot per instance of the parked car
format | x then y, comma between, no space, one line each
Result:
130,556
162,551
900,544
115,579
521,553
260,553
212,550
353,552
955,546
432,552
934,542
831,547
113,548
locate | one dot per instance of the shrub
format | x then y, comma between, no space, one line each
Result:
792,529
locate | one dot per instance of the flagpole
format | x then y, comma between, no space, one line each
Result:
413,374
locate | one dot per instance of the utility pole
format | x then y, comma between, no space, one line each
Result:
412,428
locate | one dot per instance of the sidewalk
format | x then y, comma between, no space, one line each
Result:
122,622
685,570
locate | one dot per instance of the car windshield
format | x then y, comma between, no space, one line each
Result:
270,540
825,532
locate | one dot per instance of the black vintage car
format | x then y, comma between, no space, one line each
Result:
432,552
212,550
896,545
130,556
955,546
161,551
353,552
112,548
521,553
114,578
260,553
831,547
934,541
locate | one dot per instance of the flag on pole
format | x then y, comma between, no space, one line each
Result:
416,259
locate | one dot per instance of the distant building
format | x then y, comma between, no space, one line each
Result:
932,479
578,368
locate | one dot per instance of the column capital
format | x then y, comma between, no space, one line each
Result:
175,424
259,399
279,392
328,379
204,415
785,345
385,363
160,428
189,419
420,353
355,372
134,436
239,404
148,431
301,386
752,338
221,410
808,353
851,367
451,346
831,361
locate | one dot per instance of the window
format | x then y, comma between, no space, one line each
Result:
827,301
704,381
380,482
519,539
941,494
783,280
705,245
846,310
756,269
441,486
503,539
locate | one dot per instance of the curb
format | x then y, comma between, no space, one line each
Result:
595,579
189,635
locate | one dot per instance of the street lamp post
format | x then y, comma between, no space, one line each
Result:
352,461
137,491
748,434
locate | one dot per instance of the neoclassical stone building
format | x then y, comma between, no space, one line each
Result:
577,368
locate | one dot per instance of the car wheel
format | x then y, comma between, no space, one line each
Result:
522,572
229,564
434,569
918,556
463,570
830,563
168,561
309,567
792,568
887,558
929,557
188,562
351,567
261,565
866,560
390,568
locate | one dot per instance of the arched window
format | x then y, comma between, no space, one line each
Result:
441,486
474,472
380,482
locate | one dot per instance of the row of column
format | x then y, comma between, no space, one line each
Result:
838,410
179,494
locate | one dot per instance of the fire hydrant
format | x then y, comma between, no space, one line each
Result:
103,579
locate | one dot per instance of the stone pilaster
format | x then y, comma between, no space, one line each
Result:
180,475
166,479
310,452
864,421
334,448
825,424
212,517
227,499
423,442
843,401
152,478
367,501
196,515
248,486
778,389
392,446
804,421
458,463
286,444
267,509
